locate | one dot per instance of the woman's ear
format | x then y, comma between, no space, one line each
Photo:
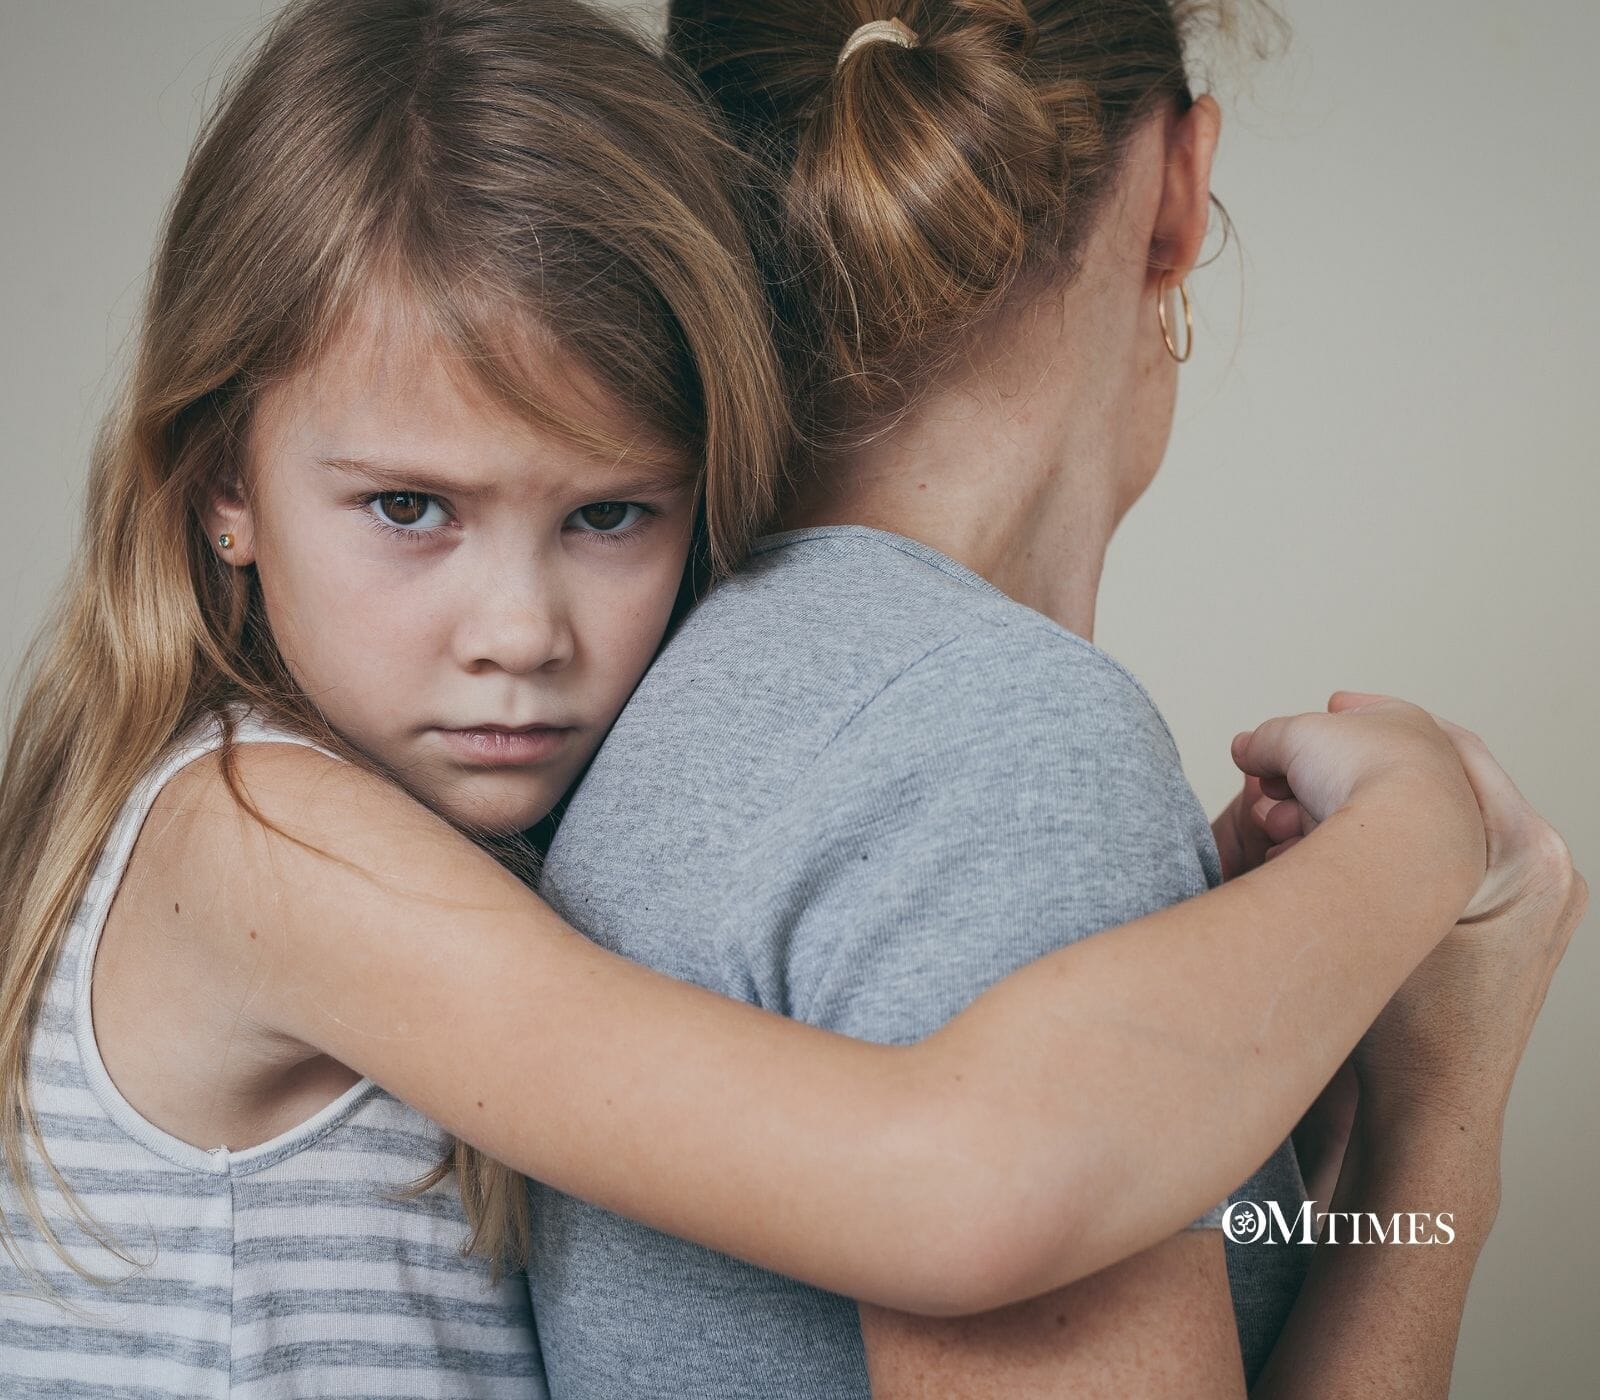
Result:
1185,209
230,523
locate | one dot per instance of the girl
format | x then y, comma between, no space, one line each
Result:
453,354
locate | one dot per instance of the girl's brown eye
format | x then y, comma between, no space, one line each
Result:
404,507
604,515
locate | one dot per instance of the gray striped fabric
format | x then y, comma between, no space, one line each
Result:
287,1269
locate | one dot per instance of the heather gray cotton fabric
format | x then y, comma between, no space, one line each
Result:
859,786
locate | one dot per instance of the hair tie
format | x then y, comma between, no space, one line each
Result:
886,31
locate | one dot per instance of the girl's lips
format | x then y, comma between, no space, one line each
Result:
505,748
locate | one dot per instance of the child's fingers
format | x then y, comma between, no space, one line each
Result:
1256,788
1352,699
1281,847
1266,749
1279,821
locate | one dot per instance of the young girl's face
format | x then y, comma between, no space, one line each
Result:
468,600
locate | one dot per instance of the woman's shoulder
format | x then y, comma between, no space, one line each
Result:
844,623
1015,693
1020,745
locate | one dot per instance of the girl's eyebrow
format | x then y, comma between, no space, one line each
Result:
398,475
641,479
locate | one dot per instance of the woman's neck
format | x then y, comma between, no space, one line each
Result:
1016,473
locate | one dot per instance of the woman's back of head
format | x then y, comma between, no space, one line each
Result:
922,179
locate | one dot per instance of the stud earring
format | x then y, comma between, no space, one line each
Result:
225,541
1188,322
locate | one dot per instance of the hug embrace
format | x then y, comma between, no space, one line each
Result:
569,835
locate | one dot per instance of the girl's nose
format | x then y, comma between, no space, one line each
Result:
517,626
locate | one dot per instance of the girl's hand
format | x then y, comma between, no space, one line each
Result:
1308,766
1453,1035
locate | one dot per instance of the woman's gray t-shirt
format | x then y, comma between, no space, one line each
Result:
859,786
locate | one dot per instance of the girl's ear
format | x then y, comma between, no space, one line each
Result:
230,523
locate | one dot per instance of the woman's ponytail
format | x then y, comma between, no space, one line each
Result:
919,182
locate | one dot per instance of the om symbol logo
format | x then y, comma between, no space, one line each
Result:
1244,1222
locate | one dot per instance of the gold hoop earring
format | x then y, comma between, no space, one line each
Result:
1188,322
225,541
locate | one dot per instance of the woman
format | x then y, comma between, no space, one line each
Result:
884,765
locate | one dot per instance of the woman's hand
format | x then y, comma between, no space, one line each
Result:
1451,1039
1242,841
1422,1100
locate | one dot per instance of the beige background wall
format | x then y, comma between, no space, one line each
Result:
1383,474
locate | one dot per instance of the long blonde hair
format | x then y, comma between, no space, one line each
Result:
524,168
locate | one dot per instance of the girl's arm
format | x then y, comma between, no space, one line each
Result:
946,1177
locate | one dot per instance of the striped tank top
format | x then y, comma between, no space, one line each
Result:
292,1268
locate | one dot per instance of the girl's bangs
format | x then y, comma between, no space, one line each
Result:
496,343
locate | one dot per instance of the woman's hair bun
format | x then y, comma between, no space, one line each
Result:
920,179
1005,24
914,185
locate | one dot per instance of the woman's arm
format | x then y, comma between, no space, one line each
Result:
1379,1320
1434,1076
946,1177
